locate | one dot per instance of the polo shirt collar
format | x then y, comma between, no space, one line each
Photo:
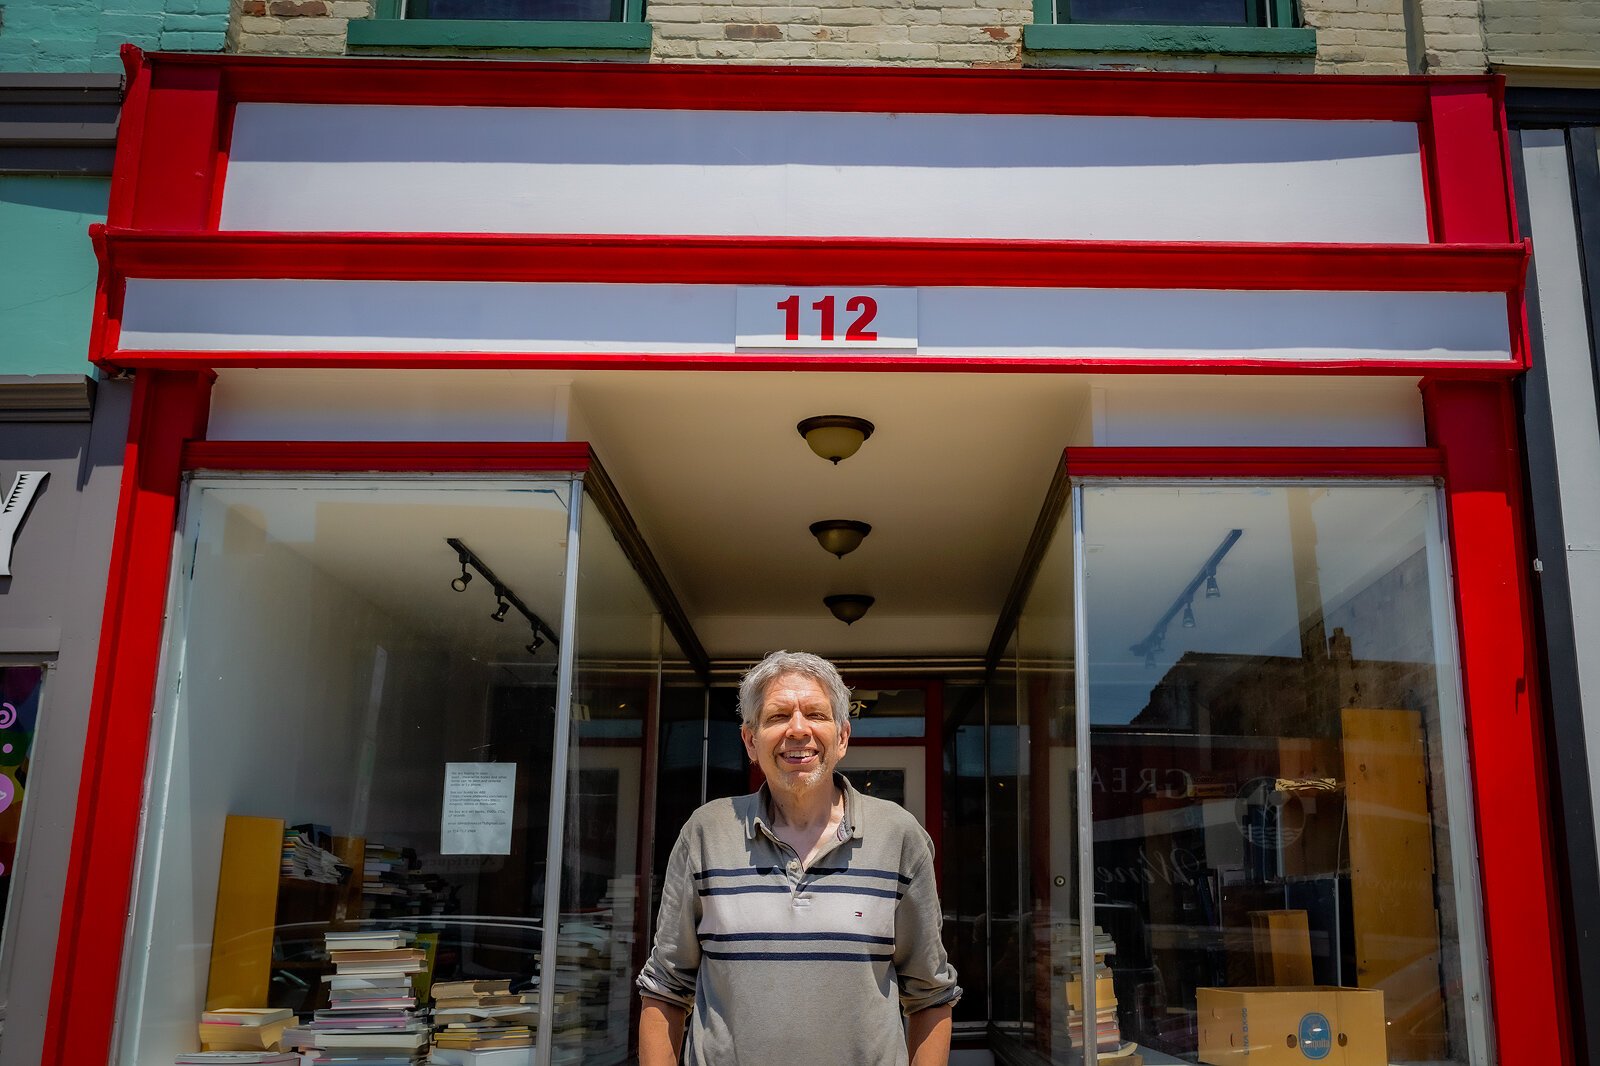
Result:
756,808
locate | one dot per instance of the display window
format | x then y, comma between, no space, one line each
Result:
361,737
1241,779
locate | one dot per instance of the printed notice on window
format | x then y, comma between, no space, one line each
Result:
478,798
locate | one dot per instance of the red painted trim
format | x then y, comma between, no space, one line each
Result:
301,456
819,261
1470,179
130,137
1475,427
1255,462
219,174
715,361
167,409
800,88
181,134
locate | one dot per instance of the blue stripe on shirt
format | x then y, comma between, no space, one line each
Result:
797,956
854,938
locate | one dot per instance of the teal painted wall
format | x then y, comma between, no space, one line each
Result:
47,272
82,36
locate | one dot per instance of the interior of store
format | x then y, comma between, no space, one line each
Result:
1224,709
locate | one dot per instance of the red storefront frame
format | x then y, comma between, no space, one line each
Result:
162,222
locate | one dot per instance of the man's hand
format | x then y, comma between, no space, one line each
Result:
661,1032
927,1037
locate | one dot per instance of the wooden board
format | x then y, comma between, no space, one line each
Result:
247,904
1282,941
1392,876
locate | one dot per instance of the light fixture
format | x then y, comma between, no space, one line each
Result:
1188,616
840,536
848,608
505,597
835,437
1212,591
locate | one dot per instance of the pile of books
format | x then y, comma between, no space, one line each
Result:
1109,1045
257,1029
393,885
306,856
372,1017
483,1023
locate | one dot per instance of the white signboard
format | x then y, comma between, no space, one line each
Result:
861,319
478,799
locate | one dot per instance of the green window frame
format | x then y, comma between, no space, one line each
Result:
394,27
1054,30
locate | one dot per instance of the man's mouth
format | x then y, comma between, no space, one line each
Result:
797,757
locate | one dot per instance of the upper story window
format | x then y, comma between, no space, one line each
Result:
457,24
1197,27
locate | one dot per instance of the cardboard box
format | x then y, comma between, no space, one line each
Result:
1319,1024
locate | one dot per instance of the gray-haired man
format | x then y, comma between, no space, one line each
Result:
802,919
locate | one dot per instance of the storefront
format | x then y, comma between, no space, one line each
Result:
1196,613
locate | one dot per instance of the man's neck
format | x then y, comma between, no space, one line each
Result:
808,810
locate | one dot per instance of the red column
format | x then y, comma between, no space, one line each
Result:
1475,427
168,409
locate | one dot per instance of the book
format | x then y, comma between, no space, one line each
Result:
247,1015
236,1058
367,940
508,1056
218,1037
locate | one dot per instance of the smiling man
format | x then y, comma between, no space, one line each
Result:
802,919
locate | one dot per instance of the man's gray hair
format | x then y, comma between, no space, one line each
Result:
753,686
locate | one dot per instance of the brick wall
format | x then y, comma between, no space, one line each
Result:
1354,36
79,36
1555,31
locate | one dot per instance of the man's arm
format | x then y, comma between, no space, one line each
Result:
927,1038
661,1032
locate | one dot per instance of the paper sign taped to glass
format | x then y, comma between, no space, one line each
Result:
478,801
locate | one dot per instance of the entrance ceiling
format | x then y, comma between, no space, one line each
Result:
723,488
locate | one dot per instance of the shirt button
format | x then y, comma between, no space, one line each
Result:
794,866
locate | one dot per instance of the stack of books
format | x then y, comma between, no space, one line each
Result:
256,1029
393,885
1109,1045
305,860
483,1023
372,1017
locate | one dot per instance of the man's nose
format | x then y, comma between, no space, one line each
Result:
797,722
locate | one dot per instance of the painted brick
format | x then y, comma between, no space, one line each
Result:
184,41
351,9
757,32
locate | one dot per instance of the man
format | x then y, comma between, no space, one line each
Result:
803,919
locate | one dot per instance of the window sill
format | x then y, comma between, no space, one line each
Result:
475,33
1187,40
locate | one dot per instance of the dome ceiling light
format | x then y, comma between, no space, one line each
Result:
835,437
848,608
840,536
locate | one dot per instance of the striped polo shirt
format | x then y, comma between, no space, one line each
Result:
773,960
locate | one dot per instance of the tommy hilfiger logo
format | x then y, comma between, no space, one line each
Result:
24,488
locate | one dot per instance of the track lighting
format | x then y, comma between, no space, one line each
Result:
504,597
1183,604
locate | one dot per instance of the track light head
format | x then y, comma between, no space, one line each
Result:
1188,616
1212,591
501,608
460,584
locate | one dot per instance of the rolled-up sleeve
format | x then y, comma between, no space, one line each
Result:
674,961
927,979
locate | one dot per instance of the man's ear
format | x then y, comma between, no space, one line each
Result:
749,742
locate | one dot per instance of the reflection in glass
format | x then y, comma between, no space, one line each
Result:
1270,697
324,676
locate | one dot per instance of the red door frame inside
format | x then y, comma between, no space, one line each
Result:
170,160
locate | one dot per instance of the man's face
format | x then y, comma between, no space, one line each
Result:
795,739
